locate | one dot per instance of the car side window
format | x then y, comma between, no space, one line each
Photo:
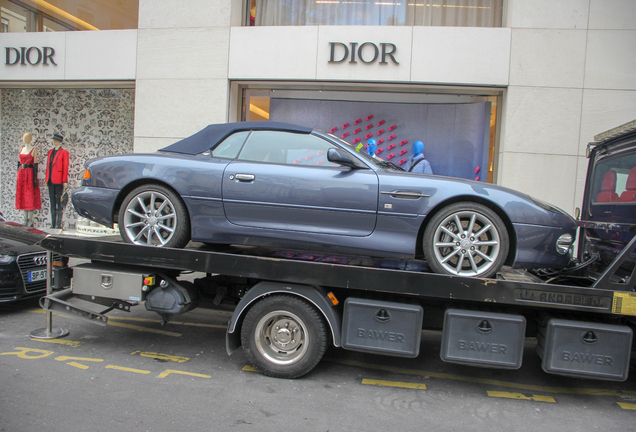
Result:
230,147
613,191
615,180
286,148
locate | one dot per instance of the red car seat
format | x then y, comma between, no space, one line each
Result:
608,188
630,193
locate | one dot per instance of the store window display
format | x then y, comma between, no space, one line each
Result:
27,196
418,163
57,179
456,13
372,146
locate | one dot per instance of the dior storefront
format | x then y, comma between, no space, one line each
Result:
95,122
50,88
502,91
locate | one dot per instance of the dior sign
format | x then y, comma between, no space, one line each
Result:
367,52
31,55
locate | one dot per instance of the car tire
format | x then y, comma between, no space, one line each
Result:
284,336
153,215
466,239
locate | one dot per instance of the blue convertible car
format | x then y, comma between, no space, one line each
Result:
281,185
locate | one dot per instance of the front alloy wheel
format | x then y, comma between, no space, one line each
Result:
466,239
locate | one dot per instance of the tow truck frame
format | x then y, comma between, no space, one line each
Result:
350,296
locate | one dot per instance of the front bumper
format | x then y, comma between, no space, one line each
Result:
536,246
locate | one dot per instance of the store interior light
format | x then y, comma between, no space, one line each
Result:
65,14
258,111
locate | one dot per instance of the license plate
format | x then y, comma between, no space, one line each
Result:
37,275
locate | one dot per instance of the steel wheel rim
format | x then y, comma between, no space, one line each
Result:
150,219
466,243
281,338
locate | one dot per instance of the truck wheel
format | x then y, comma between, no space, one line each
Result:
284,336
153,215
466,239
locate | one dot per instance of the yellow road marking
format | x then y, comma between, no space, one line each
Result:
383,383
121,368
160,356
542,389
248,368
627,406
172,371
78,365
65,358
536,398
144,329
22,353
59,341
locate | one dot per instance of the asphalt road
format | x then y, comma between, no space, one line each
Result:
135,375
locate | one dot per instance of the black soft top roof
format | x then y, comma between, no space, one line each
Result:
208,137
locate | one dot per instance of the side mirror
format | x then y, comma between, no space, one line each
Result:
341,157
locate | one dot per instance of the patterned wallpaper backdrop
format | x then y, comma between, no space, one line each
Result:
94,122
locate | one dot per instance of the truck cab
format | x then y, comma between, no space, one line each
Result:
608,215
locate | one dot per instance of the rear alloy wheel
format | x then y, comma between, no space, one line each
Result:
153,215
466,239
284,336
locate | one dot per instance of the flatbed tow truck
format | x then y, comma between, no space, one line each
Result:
290,305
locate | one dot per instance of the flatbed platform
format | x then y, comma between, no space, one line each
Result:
400,278
289,304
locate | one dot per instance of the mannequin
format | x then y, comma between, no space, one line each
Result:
417,163
372,145
27,196
57,179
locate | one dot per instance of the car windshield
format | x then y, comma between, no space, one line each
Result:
365,156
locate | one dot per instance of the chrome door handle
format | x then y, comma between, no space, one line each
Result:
245,177
405,194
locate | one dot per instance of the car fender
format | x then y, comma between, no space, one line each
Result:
314,294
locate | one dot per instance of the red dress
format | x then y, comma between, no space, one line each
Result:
27,197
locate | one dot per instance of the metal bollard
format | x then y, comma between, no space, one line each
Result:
49,332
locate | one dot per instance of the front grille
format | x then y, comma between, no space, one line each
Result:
31,262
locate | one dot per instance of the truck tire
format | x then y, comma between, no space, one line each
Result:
153,215
284,336
466,239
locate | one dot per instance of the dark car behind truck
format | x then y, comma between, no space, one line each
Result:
22,269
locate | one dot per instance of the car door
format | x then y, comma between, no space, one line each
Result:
283,181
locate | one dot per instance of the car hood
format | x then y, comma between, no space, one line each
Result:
17,239
15,248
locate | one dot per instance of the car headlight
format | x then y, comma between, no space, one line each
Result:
6,259
564,243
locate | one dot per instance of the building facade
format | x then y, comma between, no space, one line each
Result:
505,91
